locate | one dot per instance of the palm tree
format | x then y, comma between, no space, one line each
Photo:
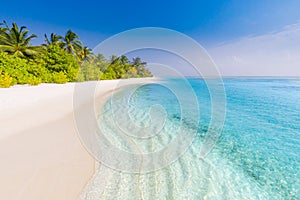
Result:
138,62
85,53
16,41
124,60
71,43
100,61
140,67
54,39
2,29
125,64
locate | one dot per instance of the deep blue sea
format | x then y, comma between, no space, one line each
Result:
257,155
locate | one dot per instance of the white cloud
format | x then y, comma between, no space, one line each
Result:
273,54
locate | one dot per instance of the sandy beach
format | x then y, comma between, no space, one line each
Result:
41,154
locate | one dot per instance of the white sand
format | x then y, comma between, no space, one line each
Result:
40,152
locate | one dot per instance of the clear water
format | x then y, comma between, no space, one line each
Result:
256,157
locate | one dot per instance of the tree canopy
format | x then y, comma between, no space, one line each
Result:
60,59
15,40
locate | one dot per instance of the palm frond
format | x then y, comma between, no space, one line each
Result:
16,41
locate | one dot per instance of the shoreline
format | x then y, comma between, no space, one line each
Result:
44,157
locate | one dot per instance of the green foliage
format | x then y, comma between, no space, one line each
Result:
58,60
53,66
32,80
109,73
121,67
88,72
59,77
16,40
5,80
115,68
54,39
17,68
71,42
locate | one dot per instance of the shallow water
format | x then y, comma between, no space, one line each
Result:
256,157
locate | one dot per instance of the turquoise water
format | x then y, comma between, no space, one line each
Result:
256,157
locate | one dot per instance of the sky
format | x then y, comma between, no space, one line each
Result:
242,37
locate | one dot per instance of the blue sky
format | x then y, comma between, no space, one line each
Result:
210,22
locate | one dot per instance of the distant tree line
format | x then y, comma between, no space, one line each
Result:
60,59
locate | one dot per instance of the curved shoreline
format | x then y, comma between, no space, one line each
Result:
44,158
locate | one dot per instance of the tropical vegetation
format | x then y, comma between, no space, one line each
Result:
60,59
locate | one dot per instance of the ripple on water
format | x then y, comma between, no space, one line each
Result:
255,158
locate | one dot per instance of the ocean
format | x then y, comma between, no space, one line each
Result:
254,156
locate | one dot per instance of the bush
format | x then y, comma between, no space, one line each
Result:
88,72
56,60
59,77
34,80
53,65
5,80
15,67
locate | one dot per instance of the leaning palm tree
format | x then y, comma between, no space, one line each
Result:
17,41
54,39
71,43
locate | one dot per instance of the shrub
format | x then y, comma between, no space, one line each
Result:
15,67
59,77
88,72
5,80
52,65
57,60
34,80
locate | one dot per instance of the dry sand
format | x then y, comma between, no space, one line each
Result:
40,152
